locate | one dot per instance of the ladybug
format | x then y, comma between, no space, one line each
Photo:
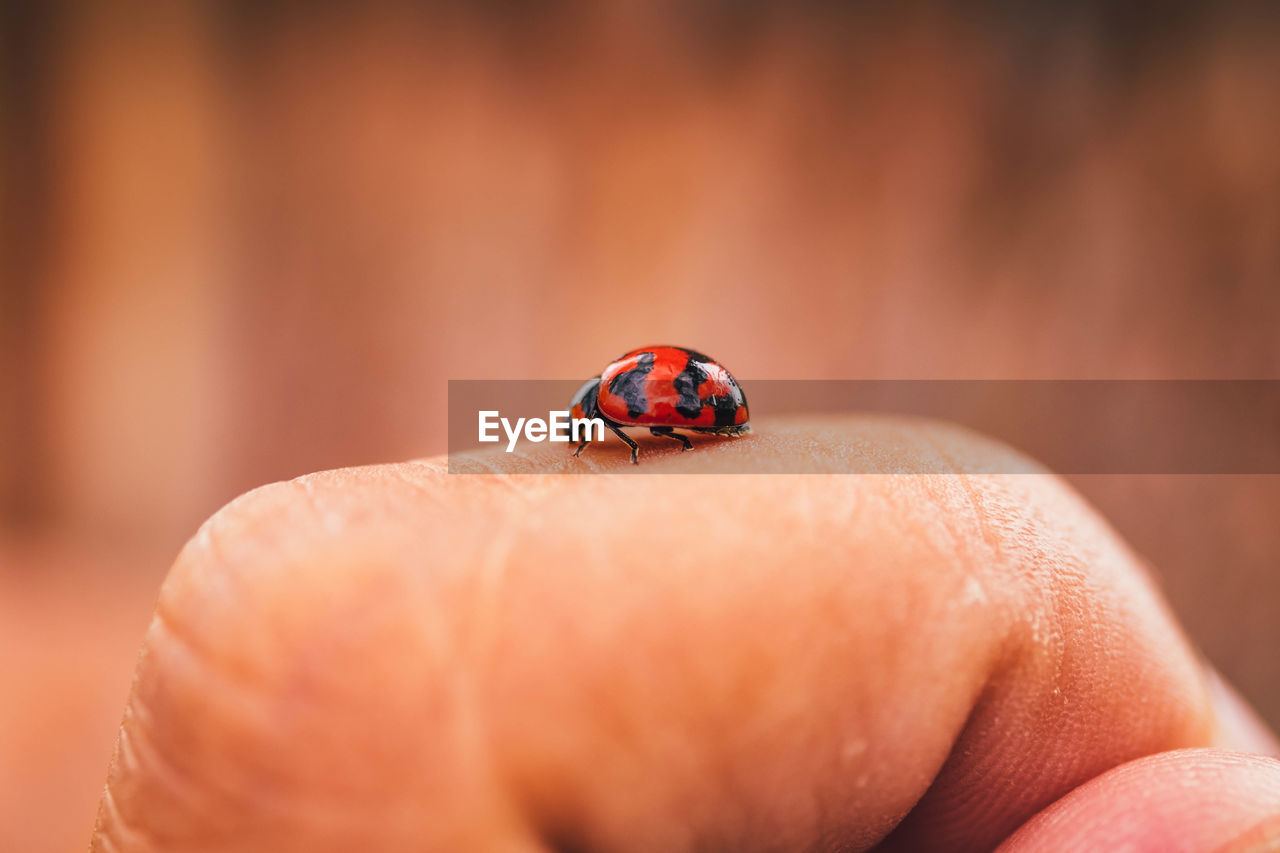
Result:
663,388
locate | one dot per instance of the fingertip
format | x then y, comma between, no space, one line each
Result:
1185,801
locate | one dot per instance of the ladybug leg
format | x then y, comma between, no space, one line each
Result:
635,448
667,432
582,447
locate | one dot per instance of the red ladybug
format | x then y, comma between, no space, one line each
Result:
664,389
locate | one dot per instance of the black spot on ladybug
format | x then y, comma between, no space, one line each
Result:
726,409
588,398
629,385
686,382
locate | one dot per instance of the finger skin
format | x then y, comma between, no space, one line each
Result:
403,659
1188,801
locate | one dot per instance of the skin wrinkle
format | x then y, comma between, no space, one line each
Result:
976,589
308,810
137,749
1062,590
163,623
123,829
979,511
251,692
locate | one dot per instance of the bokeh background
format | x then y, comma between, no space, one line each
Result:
244,241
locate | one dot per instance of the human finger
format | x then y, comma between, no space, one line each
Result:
400,657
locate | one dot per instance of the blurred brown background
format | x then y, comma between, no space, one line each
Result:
240,242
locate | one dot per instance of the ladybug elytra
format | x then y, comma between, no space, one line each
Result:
663,388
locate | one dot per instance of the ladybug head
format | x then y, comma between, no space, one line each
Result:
584,403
